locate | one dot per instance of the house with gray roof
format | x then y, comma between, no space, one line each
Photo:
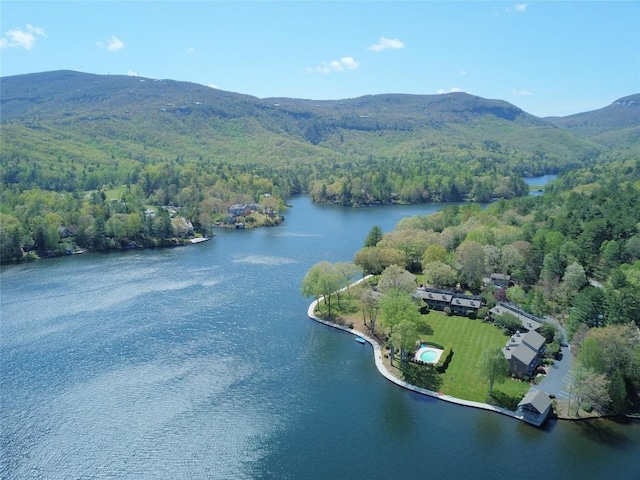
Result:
435,299
534,407
465,305
524,353
438,299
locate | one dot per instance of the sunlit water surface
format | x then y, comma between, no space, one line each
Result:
199,362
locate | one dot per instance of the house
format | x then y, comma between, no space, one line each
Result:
499,280
524,353
529,322
434,298
437,299
534,407
467,305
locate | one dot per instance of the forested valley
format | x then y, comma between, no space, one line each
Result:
91,162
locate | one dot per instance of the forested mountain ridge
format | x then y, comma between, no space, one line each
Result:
615,126
84,154
621,114
115,107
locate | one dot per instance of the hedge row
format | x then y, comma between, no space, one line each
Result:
445,359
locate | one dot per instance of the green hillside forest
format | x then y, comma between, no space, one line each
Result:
98,162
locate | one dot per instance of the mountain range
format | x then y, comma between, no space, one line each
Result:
113,120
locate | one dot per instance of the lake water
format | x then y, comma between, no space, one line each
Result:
200,362
542,180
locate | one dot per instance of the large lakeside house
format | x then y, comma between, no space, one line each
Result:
459,304
523,351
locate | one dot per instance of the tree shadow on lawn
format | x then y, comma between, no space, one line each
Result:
500,399
422,376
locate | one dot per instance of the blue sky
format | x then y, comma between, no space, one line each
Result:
546,57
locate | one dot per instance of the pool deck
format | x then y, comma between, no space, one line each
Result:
377,355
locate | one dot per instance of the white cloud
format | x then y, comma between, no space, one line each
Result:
518,7
112,44
348,63
211,85
521,92
18,38
463,72
386,43
451,90
191,51
131,73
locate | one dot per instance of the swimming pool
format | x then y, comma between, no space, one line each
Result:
428,354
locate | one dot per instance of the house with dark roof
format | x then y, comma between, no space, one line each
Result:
534,407
467,305
524,353
437,299
499,280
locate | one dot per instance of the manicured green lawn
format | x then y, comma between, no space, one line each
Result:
469,338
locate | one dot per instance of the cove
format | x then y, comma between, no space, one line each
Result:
201,362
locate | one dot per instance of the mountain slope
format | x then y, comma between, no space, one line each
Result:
145,118
616,125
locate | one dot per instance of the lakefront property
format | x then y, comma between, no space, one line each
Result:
460,337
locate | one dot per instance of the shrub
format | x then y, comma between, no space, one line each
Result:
447,311
432,344
445,359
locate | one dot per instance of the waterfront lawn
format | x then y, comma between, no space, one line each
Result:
463,378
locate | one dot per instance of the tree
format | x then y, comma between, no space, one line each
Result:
434,253
374,236
373,260
10,238
585,385
405,337
508,322
574,280
396,307
322,280
440,274
395,277
549,331
588,308
511,259
516,295
618,392
494,367
470,256
369,304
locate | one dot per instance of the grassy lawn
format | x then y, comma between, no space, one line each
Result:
469,338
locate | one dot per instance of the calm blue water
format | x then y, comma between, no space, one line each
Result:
542,180
199,362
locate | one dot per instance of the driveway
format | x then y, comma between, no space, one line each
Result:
555,383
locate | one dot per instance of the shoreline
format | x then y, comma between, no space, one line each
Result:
382,369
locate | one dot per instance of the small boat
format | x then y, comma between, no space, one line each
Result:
361,340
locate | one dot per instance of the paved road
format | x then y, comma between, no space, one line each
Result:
555,383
